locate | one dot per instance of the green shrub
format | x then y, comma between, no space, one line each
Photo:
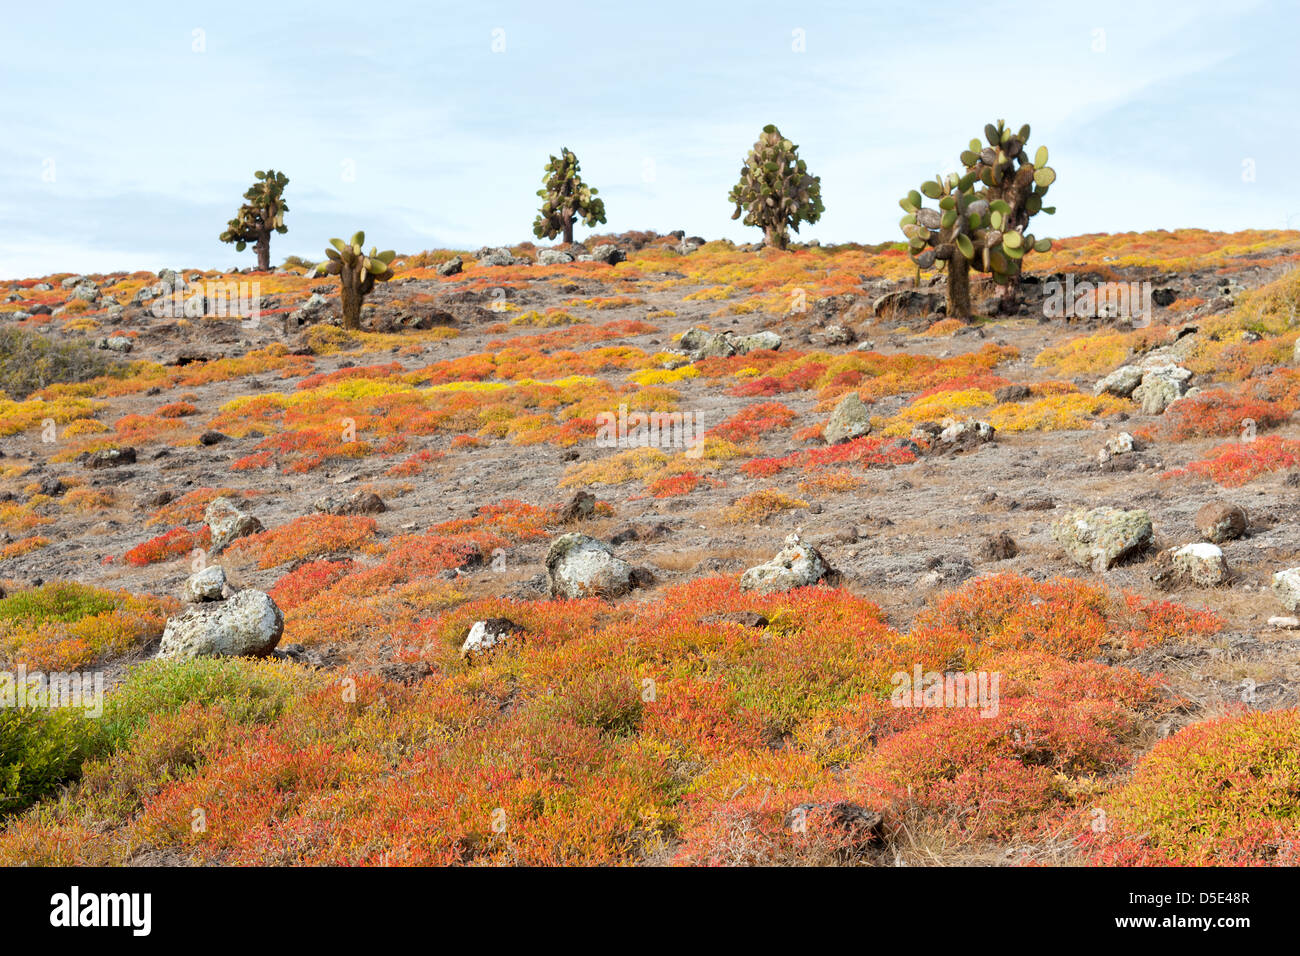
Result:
248,691
40,749
62,601
29,362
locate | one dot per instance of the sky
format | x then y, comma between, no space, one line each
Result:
130,131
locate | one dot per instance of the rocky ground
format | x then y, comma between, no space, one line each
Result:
903,535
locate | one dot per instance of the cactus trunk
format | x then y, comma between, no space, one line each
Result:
351,303
776,237
958,306
263,249
568,231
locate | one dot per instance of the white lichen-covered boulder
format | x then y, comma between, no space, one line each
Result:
796,565
1201,564
1100,537
247,625
227,521
580,566
206,585
1286,585
1161,386
1121,444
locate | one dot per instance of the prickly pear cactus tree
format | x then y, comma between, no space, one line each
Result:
261,214
775,191
982,217
358,271
566,199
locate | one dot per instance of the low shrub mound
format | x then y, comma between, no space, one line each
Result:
30,362
1222,792
64,626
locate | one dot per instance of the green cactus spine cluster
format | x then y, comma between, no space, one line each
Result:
983,215
358,271
566,199
261,214
775,191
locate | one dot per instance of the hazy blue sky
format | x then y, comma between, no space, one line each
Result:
131,130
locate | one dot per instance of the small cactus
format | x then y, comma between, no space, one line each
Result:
261,214
566,199
982,215
358,271
775,191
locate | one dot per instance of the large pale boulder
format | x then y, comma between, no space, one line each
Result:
796,565
1161,386
247,625
1120,382
580,566
850,420
1100,537
755,341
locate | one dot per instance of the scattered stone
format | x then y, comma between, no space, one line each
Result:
608,254
1284,623
206,585
452,266
1101,537
1201,564
1121,444
355,503
755,341
1161,386
116,343
247,625
487,634
1000,547
908,302
315,309
1219,522
850,420
111,458
578,565
553,257
1012,393
701,343
581,507
962,435
1120,382
947,571
499,256
796,565
213,438
227,521
838,335
1286,585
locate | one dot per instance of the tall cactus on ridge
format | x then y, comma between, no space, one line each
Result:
358,272
982,216
261,214
566,199
775,191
